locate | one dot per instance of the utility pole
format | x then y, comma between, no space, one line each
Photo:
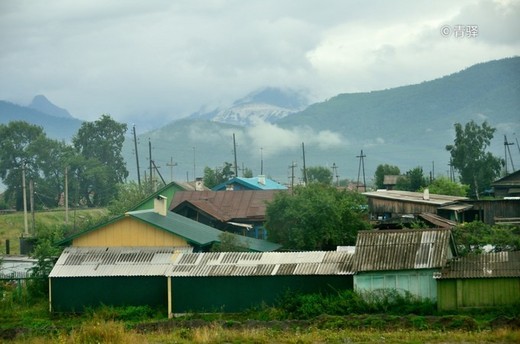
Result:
292,166
26,225
304,168
361,165
452,172
235,155
159,173
171,165
66,195
194,177
31,202
137,159
261,161
507,150
335,173
150,156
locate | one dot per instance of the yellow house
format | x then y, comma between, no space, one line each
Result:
157,227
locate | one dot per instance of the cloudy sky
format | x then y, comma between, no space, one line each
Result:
167,59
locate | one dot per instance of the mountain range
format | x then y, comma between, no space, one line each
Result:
57,122
272,130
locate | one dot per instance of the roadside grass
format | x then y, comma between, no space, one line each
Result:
25,319
12,224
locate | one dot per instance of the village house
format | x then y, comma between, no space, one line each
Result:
240,212
392,204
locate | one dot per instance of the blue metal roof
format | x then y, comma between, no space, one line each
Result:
255,183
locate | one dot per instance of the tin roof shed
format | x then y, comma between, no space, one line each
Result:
403,249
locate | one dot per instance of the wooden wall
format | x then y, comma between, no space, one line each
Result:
129,232
455,294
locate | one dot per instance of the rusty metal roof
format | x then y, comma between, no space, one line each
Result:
486,265
262,264
379,250
227,205
115,261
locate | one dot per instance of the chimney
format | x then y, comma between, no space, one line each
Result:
160,206
199,184
426,194
261,179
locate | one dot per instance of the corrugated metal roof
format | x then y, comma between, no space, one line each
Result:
401,249
487,265
417,197
262,264
180,262
227,206
115,261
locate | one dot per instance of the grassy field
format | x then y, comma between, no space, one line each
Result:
12,224
25,319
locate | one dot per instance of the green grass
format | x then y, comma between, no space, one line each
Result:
12,224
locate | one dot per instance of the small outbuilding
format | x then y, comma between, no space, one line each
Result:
404,260
386,204
489,280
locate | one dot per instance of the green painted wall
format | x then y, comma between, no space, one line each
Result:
168,193
477,292
76,294
234,294
418,282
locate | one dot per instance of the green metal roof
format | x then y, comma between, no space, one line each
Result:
193,232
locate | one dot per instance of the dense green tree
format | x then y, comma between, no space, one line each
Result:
474,236
214,177
477,167
382,171
444,186
25,146
319,174
129,195
102,166
413,180
315,217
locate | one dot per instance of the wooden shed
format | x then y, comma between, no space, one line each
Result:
404,260
480,281
509,186
385,204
